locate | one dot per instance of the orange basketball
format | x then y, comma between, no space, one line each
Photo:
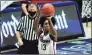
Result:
48,9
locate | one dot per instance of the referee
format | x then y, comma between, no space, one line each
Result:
28,42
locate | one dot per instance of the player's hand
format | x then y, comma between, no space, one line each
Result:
39,7
39,10
49,18
20,43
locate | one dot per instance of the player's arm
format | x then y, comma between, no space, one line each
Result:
36,26
24,8
53,32
36,23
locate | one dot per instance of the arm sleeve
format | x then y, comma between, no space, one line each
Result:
20,25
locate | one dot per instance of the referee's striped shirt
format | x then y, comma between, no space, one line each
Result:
26,25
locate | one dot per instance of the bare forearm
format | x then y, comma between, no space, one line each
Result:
24,8
36,24
18,36
52,30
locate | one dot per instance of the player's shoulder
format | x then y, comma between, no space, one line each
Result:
52,38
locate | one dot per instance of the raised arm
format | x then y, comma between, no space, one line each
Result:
24,8
53,32
36,22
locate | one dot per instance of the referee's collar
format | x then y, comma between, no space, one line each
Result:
30,17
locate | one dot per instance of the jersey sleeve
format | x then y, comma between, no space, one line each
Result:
20,25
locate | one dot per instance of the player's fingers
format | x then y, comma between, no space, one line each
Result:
39,11
39,7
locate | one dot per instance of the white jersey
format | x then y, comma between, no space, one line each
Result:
46,45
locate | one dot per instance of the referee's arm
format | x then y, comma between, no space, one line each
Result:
19,28
24,6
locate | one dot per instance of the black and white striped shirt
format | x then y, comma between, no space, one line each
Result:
26,25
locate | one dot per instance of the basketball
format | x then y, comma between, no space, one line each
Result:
48,9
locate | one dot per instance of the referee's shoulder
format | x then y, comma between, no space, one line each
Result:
24,17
